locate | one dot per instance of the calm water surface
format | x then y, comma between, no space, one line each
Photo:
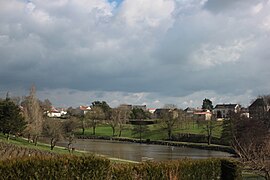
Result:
139,152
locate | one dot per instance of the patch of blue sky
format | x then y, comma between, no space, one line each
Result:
117,2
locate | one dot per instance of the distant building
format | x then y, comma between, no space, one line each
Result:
126,106
143,107
260,108
197,114
85,109
222,111
53,113
159,112
56,113
202,115
189,112
244,112
151,110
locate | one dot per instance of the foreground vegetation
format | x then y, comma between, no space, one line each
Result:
11,151
91,167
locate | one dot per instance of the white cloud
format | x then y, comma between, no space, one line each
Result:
143,51
210,55
146,13
38,15
256,9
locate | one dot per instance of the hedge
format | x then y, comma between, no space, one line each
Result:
208,169
64,167
91,167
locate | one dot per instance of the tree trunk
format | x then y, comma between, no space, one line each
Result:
29,138
209,134
52,143
36,140
70,141
113,130
209,138
69,146
140,133
83,130
120,131
170,134
94,129
8,136
267,175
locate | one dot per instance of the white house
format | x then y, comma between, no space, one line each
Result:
202,115
56,113
222,111
85,109
152,110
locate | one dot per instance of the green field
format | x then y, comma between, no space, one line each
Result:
155,131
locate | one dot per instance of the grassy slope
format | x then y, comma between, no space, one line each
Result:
40,146
46,147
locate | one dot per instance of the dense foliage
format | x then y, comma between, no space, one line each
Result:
11,119
61,167
91,167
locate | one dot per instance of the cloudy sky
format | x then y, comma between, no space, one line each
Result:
149,52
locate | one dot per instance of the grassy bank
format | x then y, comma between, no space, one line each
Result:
40,146
18,147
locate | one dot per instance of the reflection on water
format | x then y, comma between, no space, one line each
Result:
138,152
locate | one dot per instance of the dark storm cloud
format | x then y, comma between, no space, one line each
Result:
230,5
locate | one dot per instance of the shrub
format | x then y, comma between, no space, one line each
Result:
64,167
91,167
181,169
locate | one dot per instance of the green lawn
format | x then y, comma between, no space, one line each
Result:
156,131
198,128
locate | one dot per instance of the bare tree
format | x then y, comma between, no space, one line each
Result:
124,116
251,141
95,115
45,105
84,124
169,119
170,106
16,100
115,119
118,118
68,127
33,115
208,128
54,130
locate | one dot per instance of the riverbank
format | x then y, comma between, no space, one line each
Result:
204,146
19,146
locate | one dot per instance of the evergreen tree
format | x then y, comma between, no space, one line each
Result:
11,119
207,104
107,110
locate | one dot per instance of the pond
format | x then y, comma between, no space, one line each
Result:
140,152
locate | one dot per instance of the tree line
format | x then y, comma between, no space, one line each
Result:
25,117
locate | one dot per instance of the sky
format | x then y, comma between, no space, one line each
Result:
151,52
